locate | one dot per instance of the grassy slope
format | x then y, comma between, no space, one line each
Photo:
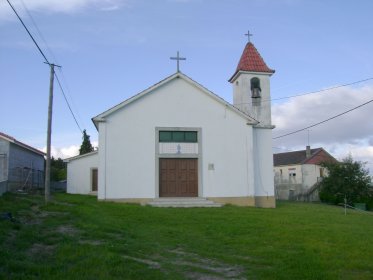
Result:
78,237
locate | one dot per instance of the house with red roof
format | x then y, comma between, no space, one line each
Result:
21,166
298,173
177,142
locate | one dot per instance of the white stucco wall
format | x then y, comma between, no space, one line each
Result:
306,174
79,173
311,173
259,109
287,174
242,96
263,162
127,144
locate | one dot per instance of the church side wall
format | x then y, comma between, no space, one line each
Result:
226,167
263,168
79,174
101,192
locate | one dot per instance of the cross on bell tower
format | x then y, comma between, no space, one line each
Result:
177,58
248,34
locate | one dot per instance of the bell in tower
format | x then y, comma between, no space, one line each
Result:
255,88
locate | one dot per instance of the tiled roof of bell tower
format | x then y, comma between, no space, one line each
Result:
251,61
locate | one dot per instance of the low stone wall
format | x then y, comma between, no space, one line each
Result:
296,192
288,191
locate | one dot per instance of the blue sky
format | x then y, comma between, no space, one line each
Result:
113,49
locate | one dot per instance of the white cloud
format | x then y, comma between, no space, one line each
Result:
68,151
63,152
58,6
350,133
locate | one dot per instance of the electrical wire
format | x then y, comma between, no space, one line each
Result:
68,105
38,30
44,56
321,90
36,44
55,59
67,90
312,92
324,121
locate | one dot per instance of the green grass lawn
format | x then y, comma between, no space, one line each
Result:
76,237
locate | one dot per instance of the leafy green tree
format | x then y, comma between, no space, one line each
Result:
86,146
58,170
347,179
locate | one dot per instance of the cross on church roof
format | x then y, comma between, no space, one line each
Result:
177,58
248,34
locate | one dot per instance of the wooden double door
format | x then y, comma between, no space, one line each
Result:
178,177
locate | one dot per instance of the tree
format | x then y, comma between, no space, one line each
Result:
347,179
86,146
58,170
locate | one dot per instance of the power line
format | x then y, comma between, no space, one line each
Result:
71,111
67,90
312,92
44,56
38,31
324,121
321,90
36,44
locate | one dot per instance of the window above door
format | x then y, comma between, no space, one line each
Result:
178,136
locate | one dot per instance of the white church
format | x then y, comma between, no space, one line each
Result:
178,140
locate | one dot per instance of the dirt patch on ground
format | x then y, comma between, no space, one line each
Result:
29,219
191,266
39,250
91,242
67,230
116,236
207,268
64,203
37,216
148,262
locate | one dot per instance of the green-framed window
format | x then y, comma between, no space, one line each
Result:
178,136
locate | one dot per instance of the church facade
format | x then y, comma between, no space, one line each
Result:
178,139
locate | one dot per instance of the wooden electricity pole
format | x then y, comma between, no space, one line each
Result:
49,134
50,105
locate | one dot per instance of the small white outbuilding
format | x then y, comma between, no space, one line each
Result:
82,174
178,139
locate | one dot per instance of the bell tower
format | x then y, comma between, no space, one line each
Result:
251,85
252,96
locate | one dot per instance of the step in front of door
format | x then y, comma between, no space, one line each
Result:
183,202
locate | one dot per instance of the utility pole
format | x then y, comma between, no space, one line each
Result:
49,134
50,105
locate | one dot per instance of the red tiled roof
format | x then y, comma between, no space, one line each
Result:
317,156
251,61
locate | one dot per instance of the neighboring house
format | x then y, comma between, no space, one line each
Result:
21,166
298,173
178,139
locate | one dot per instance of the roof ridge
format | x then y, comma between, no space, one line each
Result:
179,74
297,151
